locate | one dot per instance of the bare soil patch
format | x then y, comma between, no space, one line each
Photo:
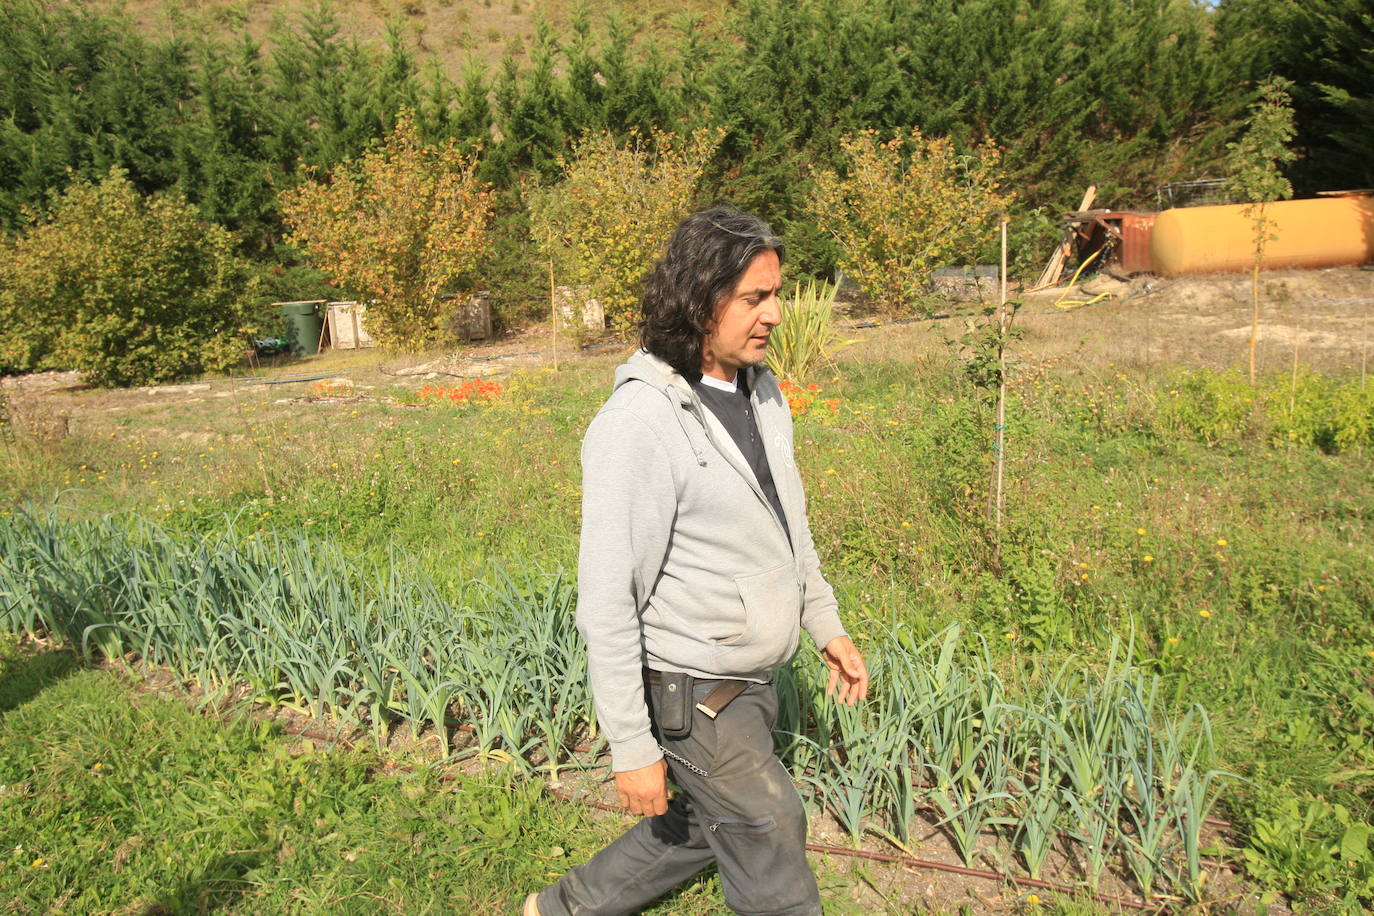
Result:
1204,322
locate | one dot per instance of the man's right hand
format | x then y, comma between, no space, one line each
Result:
645,790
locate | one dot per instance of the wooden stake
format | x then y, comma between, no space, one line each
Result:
1293,387
324,327
1364,351
999,455
1261,229
553,314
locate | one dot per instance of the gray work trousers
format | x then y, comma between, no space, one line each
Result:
737,807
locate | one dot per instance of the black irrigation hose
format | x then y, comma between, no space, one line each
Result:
858,325
824,848
292,381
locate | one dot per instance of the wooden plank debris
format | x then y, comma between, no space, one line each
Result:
1055,267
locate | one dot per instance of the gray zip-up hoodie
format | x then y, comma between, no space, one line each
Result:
684,564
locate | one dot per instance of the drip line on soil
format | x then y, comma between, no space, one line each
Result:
822,848
914,862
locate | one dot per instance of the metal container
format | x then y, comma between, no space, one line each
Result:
1323,232
1136,231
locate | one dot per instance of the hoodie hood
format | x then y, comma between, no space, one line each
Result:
643,366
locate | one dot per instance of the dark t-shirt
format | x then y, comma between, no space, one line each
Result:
735,412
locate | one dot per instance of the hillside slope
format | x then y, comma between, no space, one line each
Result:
448,32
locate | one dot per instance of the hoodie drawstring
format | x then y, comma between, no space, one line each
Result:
686,405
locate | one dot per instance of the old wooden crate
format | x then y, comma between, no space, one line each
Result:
346,327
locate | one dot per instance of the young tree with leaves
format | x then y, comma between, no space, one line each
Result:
130,290
1256,161
602,225
402,225
906,206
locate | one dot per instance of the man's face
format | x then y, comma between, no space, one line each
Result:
738,335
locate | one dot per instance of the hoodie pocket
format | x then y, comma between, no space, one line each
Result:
772,616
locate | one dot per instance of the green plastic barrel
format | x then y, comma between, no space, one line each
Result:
303,324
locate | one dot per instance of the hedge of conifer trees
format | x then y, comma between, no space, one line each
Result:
1127,94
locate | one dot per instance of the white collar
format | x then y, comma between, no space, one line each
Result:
710,381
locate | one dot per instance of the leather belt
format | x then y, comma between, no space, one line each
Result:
717,699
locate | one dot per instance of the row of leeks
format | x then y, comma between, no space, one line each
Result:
298,624
1085,764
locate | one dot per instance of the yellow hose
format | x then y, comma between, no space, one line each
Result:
1065,303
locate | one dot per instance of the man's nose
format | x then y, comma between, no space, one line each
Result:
772,313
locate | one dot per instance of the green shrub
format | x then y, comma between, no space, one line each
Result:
127,289
907,206
1317,411
1303,408
1211,406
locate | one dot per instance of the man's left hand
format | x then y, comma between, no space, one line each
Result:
847,671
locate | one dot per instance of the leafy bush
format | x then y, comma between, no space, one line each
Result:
127,289
1304,408
1314,849
401,225
1315,410
606,222
908,206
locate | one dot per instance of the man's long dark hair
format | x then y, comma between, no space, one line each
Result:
707,255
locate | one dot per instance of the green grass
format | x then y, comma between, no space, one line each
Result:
117,800
121,802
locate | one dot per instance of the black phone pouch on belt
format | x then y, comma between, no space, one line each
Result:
673,711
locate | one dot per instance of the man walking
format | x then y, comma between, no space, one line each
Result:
697,572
